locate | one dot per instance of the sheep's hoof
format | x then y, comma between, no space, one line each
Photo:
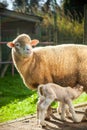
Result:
43,124
76,120
47,118
63,119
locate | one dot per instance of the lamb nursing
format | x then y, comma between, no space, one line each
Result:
52,92
65,65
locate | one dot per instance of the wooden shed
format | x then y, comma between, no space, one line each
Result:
12,24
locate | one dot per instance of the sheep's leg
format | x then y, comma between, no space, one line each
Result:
71,108
59,108
68,114
49,113
63,109
39,111
42,117
43,109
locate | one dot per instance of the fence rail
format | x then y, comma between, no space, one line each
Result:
6,63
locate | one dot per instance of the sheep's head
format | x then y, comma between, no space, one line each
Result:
23,45
79,88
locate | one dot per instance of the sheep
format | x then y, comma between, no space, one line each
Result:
65,65
52,92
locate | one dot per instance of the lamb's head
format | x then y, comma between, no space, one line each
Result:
78,88
23,45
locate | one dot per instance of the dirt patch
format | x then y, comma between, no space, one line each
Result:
30,123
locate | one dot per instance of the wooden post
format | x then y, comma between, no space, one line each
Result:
55,23
85,25
6,67
0,44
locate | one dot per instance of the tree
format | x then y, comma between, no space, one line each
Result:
3,4
74,8
34,2
33,6
18,4
25,5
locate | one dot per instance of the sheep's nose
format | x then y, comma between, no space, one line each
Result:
27,49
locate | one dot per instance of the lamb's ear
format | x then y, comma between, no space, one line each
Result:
10,44
34,42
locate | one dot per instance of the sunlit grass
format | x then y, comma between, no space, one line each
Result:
82,98
18,108
16,100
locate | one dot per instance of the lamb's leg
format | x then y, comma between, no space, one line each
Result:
41,99
38,111
68,114
63,109
59,108
71,108
43,109
41,116
49,113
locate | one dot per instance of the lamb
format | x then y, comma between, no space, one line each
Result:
65,65
52,92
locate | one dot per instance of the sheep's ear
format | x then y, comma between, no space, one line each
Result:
10,44
34,42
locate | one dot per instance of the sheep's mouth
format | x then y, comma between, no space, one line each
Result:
27,54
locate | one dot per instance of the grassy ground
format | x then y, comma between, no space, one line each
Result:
16,100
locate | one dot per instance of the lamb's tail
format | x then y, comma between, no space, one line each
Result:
40,90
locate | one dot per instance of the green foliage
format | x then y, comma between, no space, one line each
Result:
67,29
57,26
75,8
71,29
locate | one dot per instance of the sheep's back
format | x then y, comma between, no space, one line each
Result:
59,64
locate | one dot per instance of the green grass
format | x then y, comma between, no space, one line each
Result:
16,100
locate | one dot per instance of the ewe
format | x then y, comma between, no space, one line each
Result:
65,65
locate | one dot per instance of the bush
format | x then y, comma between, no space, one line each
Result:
67,29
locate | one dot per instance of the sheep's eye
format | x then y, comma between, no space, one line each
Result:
17,44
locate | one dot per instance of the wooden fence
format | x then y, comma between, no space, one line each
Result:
5,60
85,24
57,37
